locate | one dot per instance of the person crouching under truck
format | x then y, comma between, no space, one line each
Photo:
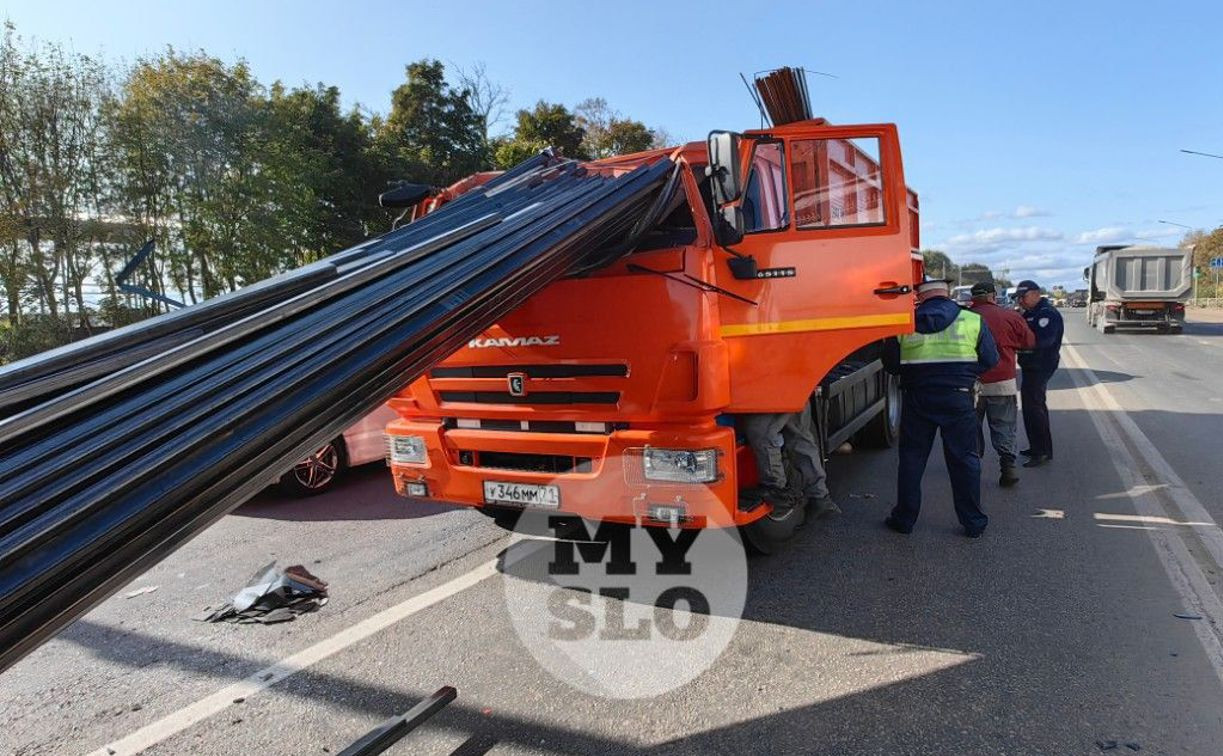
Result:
938,366
769,435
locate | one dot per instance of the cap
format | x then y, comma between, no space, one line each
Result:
933,284
982,288
1025,286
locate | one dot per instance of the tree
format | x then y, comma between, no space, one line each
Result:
1207,245
487,99
51,175
545,125
607,134
432,135
186,136
325,178
938,264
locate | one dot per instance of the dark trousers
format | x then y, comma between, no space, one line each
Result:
951,414
1036,410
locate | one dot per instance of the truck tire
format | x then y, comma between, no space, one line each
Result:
884,429
773,533
1107,329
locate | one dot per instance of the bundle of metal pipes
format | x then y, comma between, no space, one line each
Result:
117,450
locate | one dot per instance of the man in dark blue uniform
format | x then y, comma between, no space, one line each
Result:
1038,366
938,367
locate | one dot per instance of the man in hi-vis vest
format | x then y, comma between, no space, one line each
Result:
938,367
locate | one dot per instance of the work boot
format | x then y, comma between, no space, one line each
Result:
893,524
781,498
1008,477
822,506
1036,460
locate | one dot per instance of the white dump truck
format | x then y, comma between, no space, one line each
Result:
1132,286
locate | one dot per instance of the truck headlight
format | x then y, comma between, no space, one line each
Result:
681,465
408,450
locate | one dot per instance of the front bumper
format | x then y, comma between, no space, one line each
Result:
611,486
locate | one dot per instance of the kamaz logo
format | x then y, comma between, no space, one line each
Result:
515,341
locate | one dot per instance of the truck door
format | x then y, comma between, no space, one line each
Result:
829,221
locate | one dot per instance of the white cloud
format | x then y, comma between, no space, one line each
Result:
1160,233
1114,234
1028,211
1019,213
1106,235
987,236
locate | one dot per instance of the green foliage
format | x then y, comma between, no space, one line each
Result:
938,264
607,134
233,180
432,130
549,125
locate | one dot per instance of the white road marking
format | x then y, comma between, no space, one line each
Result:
1050,514
1148,518
1149,490
180,720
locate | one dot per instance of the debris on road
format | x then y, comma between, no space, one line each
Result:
140,591
1186,615
271,596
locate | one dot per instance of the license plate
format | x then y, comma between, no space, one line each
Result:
521,494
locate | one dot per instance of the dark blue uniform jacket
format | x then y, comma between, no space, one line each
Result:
1046,322
933,316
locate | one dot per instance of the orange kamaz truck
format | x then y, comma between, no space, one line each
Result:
774,267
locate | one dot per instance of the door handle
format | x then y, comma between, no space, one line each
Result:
893,290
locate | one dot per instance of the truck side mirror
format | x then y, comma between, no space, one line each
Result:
403,194
724,171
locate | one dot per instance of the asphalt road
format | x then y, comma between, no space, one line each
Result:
1057,632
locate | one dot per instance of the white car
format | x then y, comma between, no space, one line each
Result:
360,444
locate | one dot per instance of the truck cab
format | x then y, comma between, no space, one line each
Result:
768,279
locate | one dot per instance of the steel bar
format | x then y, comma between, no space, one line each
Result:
106,471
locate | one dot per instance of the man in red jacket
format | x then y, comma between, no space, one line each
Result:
998,389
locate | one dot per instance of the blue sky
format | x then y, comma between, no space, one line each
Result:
1032,131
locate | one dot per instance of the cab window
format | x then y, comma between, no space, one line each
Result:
837,182
765,203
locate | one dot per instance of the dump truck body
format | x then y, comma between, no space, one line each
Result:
613,395
1139,287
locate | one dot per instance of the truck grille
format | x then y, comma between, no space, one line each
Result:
534,397
557,464
532,371
457,375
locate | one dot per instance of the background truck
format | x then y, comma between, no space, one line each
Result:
777,266
1139,287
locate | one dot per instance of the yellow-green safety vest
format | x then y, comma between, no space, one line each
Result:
955,343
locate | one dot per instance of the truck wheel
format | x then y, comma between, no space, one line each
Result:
1107,329
883,429
774,532
316,473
